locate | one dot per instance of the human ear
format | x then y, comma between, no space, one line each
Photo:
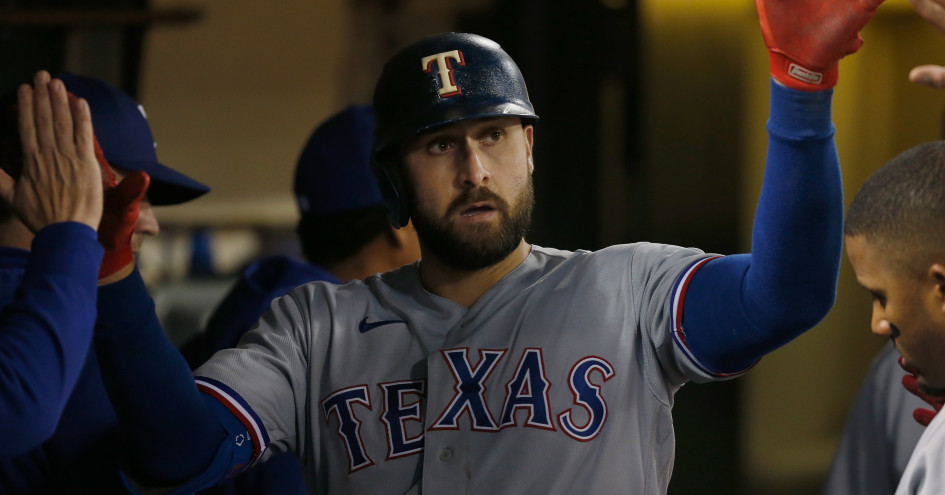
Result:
529,141
936,275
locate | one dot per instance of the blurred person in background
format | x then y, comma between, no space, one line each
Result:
344,235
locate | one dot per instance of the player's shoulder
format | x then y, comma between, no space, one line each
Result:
405,280
608,262
639,251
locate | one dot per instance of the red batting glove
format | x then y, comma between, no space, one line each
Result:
806,38
119,216
118,222
922,415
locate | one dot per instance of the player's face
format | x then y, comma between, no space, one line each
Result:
470,190
907,308
147,223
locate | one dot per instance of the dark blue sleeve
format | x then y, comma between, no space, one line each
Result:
738,308
174,432
45,333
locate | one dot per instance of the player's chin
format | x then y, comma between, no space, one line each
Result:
933,389
136,242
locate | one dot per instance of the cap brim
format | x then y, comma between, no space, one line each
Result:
168,186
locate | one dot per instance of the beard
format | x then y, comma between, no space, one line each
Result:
471,248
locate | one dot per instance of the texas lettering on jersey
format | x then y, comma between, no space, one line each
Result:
527,389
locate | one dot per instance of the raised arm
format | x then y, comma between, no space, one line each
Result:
738,308
46,330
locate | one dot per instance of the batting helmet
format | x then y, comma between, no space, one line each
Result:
436,81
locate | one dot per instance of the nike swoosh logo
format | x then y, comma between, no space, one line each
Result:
365,327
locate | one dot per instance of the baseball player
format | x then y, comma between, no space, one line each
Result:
51,181
493,365
344,234
83,454
893,234
887,419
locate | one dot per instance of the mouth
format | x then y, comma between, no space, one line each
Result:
476,209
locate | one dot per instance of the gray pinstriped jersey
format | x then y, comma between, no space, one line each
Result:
559,379
880,433
924,474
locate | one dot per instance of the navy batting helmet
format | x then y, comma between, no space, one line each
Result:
436,81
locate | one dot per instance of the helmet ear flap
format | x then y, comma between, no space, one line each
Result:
393,193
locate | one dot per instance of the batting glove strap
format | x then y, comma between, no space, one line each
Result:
801,77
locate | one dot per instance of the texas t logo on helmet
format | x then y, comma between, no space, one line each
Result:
448,87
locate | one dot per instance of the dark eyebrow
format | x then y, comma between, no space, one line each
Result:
876,293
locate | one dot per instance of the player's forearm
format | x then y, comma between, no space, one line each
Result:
45,334
740,307
171,433
797,235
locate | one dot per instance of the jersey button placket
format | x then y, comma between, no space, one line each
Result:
446,454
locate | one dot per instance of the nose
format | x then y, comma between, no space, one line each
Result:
472,172
147,223
880,325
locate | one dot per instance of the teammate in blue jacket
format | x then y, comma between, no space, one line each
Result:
343,231
50,181
83,453
344,234
493,365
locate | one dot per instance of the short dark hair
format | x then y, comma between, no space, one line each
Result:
329,239
901,207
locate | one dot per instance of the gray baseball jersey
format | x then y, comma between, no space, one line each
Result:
879,434
924,474
559,379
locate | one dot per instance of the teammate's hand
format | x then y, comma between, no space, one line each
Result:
807,38
934,12
922,415
61,179
122,204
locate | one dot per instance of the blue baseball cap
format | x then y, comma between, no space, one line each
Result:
122,129
333,173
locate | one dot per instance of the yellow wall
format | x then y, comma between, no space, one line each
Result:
232,99
796,400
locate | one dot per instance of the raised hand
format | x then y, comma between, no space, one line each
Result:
807,38
934,12
61,179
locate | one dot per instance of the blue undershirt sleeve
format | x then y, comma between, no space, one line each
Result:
45,333
176,435
738,308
